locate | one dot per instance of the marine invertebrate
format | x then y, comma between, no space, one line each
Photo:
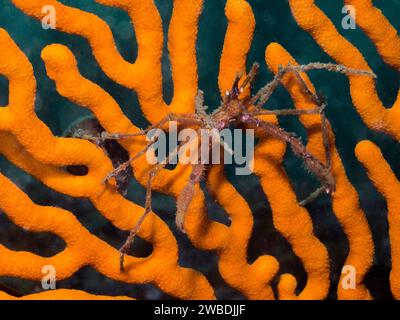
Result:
242,112
29,144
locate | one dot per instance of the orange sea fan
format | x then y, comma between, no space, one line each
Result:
28,143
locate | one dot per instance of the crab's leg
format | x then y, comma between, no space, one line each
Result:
187,194
263,95
188,119
286,112
124,165
132,234
148,207
332,67
324,129
320,110
322,172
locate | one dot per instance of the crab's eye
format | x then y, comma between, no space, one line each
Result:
227,93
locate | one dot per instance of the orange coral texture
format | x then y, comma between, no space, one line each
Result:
28,143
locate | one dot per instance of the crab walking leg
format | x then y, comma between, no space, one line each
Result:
322,173
124,165
187,194
297,112
125,248
320,110
198,169
317,99
324,123
263,95
320,101
313,196
325,140
286,112
324,126
183,119
187,119
332,67
148,207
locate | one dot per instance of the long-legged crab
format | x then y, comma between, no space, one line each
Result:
240,112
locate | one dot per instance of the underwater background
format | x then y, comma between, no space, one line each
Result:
274,24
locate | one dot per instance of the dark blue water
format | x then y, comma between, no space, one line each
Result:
274,23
